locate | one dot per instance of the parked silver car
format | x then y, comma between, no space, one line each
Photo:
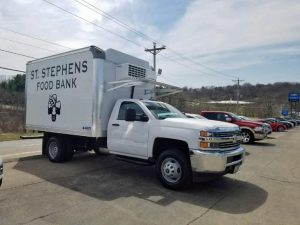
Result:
1,170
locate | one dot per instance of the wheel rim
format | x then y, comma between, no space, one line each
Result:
246,137
171,170
280,129
53,149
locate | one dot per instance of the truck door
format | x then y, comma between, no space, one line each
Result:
129,137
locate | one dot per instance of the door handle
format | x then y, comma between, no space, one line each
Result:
116,124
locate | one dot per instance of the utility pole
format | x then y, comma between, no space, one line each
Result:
238,81
154,51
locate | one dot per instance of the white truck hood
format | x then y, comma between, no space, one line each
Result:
198,124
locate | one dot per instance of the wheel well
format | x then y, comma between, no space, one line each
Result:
161,144
247,129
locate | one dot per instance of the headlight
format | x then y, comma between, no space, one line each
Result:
205,133
258,128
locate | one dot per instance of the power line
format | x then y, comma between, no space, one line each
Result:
200,64
39,39
5,68
15,53
23,43
95,24
114,19
194,69
128,27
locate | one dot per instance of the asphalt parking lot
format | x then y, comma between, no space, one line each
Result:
101,190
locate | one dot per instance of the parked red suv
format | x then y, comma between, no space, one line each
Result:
251,130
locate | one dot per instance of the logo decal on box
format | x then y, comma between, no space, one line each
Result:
54,107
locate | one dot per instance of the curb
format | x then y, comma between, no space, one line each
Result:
31,137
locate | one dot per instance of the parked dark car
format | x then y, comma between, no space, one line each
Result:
288,120
293,119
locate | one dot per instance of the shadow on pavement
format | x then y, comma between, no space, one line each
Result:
107,179
263,144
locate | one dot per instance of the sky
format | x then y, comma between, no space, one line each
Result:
208,42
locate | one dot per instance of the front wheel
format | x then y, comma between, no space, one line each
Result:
248,137
54,149
280,129
173,169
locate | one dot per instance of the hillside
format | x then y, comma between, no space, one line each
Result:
268,98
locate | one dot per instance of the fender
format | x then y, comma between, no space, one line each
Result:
248,128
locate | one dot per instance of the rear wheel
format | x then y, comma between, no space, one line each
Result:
55,149
173,169
280,128
248,137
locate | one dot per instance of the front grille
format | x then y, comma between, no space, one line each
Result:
227,134
228,144
136,72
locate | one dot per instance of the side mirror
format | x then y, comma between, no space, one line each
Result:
144,118
228,119
130,115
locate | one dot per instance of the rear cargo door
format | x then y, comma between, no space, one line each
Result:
128,138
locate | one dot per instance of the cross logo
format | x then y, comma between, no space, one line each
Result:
54,107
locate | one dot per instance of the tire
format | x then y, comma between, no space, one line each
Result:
0,182
55,149
248,137
173,169
280,129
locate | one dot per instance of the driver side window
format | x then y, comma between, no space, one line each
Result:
130,105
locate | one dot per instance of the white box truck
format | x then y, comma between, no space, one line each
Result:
89,99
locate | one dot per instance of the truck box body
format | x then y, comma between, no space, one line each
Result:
72,93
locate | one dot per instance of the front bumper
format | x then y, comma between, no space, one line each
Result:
260,136
217,161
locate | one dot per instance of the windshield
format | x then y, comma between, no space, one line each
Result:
244,118
236,117
162,110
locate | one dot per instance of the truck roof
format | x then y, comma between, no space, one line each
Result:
96,51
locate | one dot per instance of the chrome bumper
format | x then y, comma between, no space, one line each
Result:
217,162
260,136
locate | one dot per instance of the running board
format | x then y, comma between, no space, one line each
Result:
141,162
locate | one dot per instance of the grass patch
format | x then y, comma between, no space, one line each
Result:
16,136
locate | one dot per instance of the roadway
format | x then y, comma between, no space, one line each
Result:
100,190
20,148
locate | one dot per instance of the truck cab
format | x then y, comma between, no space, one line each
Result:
158,133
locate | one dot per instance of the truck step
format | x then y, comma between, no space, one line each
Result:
141,162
